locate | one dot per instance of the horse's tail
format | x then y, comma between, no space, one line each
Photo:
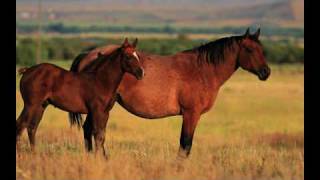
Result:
22,70
75,118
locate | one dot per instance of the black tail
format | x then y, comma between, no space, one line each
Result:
75,118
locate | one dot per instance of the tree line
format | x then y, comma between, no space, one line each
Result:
281,51
60,27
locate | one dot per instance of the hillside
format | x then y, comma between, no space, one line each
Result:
186,13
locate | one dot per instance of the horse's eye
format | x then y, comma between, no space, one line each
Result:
126,55
248,50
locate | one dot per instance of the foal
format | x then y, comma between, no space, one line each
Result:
90,92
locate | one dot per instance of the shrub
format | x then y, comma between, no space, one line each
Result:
69,48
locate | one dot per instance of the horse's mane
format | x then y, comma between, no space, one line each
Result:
213,52
98,62
77,61
75,64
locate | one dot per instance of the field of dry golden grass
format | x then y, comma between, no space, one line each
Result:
254,131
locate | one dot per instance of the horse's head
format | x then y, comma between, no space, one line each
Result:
130,61
251,57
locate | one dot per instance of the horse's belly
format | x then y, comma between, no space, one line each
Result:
69,103
150,102
68,97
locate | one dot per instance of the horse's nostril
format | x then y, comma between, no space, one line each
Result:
265,71
140,73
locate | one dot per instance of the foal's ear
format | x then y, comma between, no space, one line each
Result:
100,54
256,34
125,43
247,34
135,42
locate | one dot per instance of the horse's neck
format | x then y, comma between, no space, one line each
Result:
225,70
110,73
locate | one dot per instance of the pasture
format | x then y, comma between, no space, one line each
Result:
254,131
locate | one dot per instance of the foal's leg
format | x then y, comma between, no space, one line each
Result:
190,120
33,125
29,118
87,132
99,122
22,122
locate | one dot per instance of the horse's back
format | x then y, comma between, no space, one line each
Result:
41,70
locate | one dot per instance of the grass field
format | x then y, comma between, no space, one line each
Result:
254,131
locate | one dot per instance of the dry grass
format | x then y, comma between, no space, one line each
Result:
255,131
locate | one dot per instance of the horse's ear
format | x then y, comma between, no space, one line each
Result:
256,34
247,34
125,43
134,44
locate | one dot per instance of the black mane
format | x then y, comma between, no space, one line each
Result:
76,62
213,52
97,63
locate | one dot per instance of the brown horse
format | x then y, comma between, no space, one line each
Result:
91,92
186,83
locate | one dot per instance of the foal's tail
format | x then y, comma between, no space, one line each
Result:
75,118
22,70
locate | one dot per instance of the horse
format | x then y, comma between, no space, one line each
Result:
186,83
91,92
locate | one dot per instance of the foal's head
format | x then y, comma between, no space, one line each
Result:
130,61
251,57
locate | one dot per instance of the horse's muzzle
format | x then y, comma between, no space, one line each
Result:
264,73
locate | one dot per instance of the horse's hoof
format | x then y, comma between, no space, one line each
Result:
179,164
33,150
106,158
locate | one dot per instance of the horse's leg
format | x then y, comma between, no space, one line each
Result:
22,122
33,125
99,122
190,120
29,118
87,131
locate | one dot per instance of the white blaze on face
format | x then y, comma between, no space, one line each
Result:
135,55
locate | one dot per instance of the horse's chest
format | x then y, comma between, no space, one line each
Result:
208,100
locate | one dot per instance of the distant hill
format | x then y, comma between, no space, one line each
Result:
179,12
232,2
279,10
